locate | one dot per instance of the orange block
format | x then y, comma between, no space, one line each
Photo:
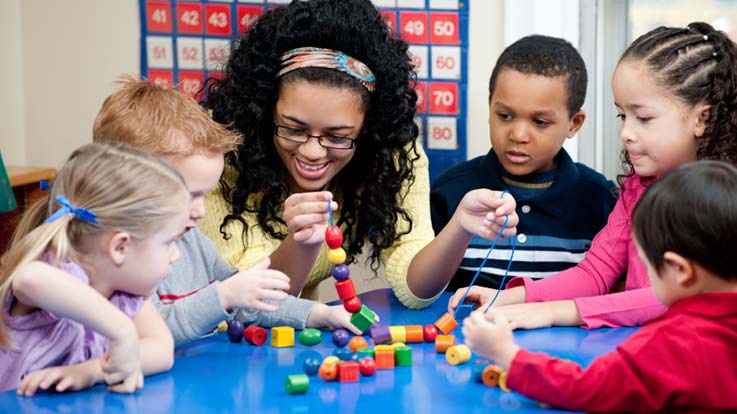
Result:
384,359
446,323
414,334
443,342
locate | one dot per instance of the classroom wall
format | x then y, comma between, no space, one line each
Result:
60,59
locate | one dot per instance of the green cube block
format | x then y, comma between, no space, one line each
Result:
403,356
310,337
297,383
363,319
366,352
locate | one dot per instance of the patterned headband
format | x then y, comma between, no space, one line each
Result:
315,57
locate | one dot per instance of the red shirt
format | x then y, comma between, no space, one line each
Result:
685,358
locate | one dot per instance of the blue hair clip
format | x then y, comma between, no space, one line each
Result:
44,185
81,213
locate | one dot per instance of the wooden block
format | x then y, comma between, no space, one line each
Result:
443,342
282,336
446,323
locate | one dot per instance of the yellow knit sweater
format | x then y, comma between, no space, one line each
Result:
396,259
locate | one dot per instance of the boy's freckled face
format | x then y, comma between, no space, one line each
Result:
201,173
529,120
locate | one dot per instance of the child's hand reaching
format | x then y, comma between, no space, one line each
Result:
482,213
490,336
249,288
63,378
331,317
121,366
306,215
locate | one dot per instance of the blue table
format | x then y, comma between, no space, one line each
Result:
213,375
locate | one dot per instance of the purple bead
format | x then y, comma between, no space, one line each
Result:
235,331
311,366
341,337
341,272
381,334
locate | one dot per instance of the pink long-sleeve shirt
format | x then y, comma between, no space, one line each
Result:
589,283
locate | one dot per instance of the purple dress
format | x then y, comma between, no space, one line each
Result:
43,339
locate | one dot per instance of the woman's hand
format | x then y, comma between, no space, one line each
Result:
307,215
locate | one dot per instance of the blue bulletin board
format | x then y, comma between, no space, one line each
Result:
185,42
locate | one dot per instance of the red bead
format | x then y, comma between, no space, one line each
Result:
345,289
352,305
429,332
255,335
367,366
333,237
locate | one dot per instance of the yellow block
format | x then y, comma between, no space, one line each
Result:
282,336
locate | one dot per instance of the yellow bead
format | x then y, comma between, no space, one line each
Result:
222,327
336,256
399,333
503,381
332,359
458,354
282,336
396,345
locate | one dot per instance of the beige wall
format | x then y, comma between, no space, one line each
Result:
60,59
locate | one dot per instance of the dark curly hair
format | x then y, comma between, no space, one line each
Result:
694,64
369,185
549,57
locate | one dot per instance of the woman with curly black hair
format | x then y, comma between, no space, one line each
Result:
332,71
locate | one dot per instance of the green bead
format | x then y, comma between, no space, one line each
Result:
363,319
310,336
366,352
297,383
403,356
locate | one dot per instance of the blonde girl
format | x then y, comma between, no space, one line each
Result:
75,282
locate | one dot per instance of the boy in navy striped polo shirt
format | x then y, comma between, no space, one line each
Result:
536,92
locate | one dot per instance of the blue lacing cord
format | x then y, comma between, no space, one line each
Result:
506,272
483,262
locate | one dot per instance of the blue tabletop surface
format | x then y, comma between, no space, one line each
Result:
213,375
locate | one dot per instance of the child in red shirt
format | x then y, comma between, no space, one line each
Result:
685,230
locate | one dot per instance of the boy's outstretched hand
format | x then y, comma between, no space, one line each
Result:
489,335
250,288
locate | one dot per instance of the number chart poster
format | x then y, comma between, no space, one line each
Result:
185,42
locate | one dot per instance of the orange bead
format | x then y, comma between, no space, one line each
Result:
328,372
490,376
414,334
443,342
356,343
446,323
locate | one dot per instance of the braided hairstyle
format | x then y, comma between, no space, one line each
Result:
369,185
694,64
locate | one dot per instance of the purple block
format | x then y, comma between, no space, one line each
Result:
235,331
341,272
380,334
341,337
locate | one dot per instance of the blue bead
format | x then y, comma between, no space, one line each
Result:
345,354
311,366
341,272
341,337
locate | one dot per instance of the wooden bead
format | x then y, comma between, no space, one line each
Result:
380,334
336,256
310,337
328,372
503,382
341,337
384,358
255,335
364,318
443,342
399,334
403,356
429,333
446,323
365,353
458,354
282,336
356,343
311,366
413,334
348,371
352,305
341,272
331,359
345,289
490,375
333,237
235,331
297,383
344,354
222,326
367,366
